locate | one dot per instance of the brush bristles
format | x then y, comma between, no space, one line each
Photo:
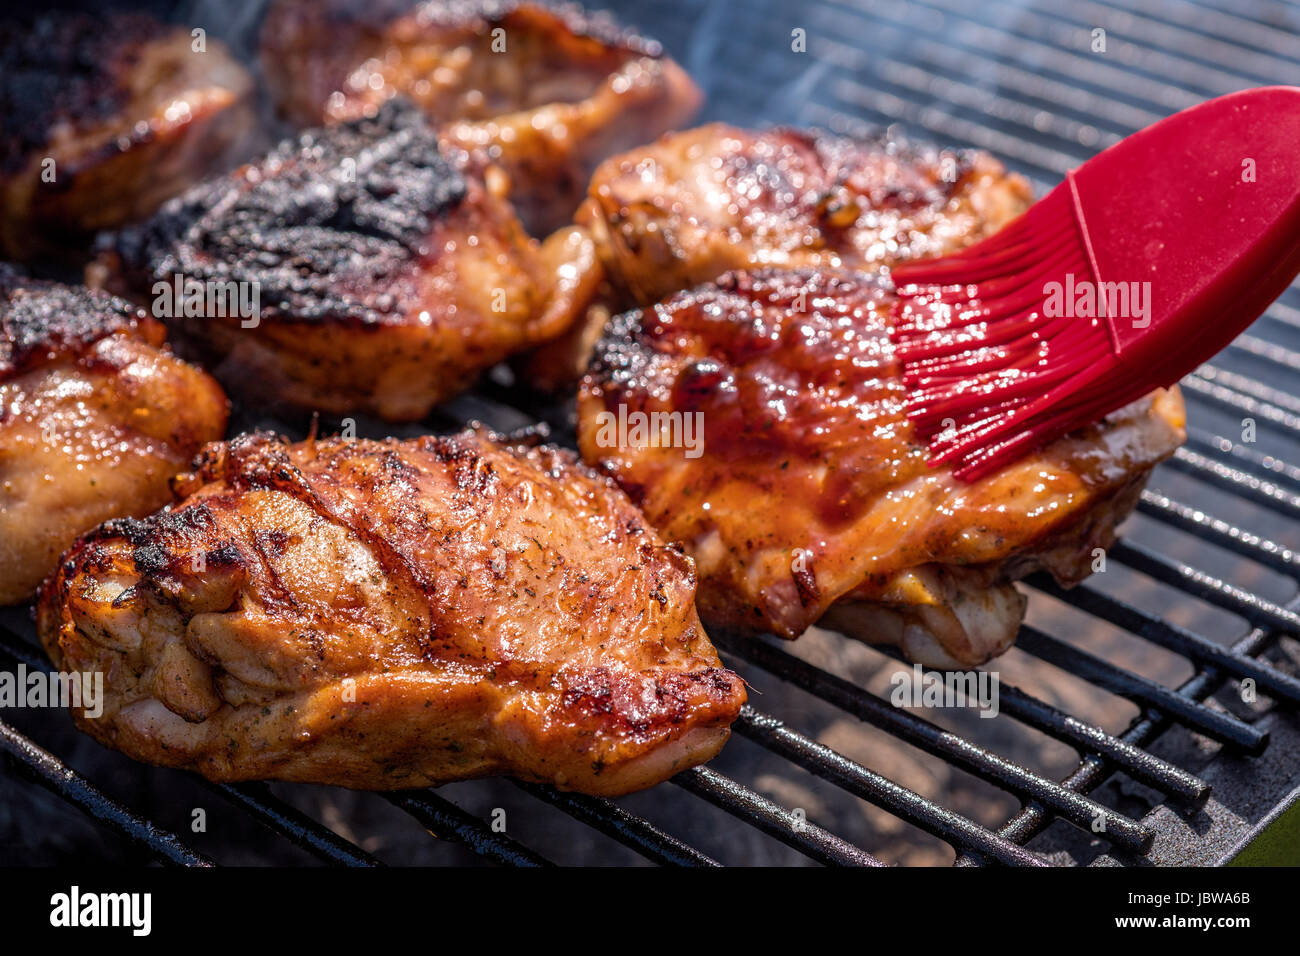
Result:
991,375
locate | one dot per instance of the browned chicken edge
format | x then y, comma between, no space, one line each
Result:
96,415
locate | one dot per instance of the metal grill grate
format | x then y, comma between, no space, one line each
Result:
1020,80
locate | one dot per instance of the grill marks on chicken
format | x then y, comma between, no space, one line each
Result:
389,273
545,90
95,418
394,614
695,204
812,501
106,116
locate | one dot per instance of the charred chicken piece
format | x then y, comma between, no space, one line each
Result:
547,90
354,268
95,417
106,116
787,468
695,204
394,614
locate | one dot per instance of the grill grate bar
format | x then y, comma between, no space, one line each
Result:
1244,385
72,787
1275,469
952,128
1227,536
1260,491
1190,43
925,83
903,803
1221,395
948,746
1212,723
1175,782
1284,314
1172,637
1257,610
974,39
1159,774
941,62
1092,772
772,819
614,821
1242,31
274,813
446,821
1271,352
1157,68
257,799
917,103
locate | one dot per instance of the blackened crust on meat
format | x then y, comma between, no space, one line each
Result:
40,318
64,68
154,539
330,225
642,710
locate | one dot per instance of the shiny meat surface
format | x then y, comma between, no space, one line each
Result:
546,90
695,204
388,273
809,496
394,614
95,418
106,116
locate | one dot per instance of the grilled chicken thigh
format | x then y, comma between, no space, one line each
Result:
95,417
107,115
789,471
394,614
695,204
546,90
384,273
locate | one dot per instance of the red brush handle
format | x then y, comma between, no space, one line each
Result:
1205,206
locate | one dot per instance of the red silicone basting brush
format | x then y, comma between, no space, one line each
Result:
1148,259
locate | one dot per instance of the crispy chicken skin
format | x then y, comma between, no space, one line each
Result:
547,90
696,204
127,112
389,273
394,614
810,499
95,417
